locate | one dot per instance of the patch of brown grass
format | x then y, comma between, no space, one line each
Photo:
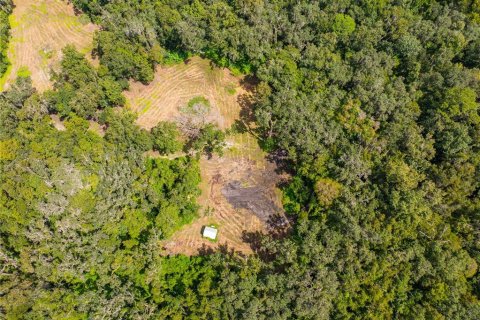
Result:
174,86
234,223
40,30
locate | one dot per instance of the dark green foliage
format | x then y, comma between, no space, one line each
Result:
188,287
174,184
81,215
6,7
10,104
122,131
210,140
123,59
165,137
374,105
81,90
203,136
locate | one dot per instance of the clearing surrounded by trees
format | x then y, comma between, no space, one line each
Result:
174,86
239,190
40,30
240,197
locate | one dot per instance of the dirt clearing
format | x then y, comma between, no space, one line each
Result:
240,197
239,190
40,30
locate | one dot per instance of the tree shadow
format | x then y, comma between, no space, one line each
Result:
257,240
83,10
247,101
278,225
76,11
254,239
205,250
246,121
223,249
249,83
283,165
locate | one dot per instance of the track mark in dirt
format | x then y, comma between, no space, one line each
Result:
238,195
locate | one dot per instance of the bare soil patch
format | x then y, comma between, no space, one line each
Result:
40,30
238,195
252,197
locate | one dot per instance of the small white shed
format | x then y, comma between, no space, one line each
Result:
210,232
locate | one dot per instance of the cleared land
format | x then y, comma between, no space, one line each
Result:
40,29
174,86
239,193
251,206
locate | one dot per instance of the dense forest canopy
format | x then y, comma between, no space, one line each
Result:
374,105
5,9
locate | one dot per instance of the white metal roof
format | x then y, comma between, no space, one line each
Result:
210,232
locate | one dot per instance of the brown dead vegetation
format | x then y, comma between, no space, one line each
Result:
251,207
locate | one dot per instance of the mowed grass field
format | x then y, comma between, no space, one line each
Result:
174,86
243,163
40,29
